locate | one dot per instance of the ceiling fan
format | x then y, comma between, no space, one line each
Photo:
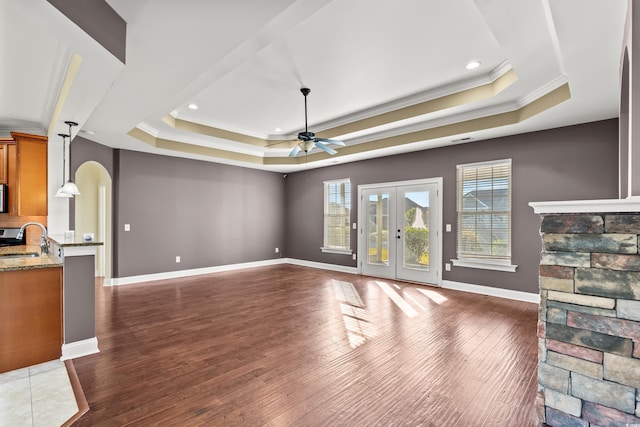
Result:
307,139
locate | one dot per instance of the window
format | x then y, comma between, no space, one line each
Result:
484,215
337,216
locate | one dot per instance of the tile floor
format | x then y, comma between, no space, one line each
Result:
37,396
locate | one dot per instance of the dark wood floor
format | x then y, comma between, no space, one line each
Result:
294,346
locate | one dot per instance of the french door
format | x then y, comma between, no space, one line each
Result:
399,233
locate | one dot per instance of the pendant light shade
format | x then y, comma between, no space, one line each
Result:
61,192
68,189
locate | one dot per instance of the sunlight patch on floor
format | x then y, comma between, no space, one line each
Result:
356,320
397,299
432,295
413,300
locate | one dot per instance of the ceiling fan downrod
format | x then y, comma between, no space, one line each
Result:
306,135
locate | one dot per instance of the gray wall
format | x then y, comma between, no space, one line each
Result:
79,297
571,163
100,21
209,214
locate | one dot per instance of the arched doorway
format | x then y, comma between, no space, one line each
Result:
93,211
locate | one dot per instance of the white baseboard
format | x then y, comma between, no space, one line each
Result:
447,284
79,348
323,266
491,291
192,272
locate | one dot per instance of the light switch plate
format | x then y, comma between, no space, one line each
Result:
127,227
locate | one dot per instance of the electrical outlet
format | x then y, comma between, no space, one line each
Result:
353,257
447,228
127,227
355,225
178,258
277,250
447,266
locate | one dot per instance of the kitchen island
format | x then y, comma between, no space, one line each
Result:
47,302
30,307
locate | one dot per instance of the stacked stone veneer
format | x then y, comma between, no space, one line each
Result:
589,322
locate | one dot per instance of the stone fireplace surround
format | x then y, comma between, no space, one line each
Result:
589,318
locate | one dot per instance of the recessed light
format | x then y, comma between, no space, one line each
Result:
192,106
473,65
277,130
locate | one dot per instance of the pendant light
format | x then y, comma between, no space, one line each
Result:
61,192
70,188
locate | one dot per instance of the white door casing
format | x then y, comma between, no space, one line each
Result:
400,230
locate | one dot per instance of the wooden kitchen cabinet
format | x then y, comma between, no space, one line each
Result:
12,159
5,144
3,163
28,191
30,317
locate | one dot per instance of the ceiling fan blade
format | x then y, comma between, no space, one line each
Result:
274,142
323,147
295,151
330,141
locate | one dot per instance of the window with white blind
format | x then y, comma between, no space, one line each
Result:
337,216
484,215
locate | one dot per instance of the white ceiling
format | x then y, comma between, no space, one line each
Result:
244,62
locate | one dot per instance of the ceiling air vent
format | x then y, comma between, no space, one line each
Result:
465,139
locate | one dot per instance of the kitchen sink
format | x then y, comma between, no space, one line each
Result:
20,255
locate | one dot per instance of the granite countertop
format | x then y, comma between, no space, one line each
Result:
64,242
27,263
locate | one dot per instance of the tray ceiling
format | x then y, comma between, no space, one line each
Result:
385,77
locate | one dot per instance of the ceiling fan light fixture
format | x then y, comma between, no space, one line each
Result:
306,146
307,139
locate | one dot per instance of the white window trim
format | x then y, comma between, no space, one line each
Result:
337,251
487,263
484,264
331,250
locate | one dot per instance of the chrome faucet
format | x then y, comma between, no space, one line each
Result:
44,244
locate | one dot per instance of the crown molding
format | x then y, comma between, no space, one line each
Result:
501,115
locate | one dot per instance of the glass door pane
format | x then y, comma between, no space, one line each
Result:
378,213
415,249
378,229
418,219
